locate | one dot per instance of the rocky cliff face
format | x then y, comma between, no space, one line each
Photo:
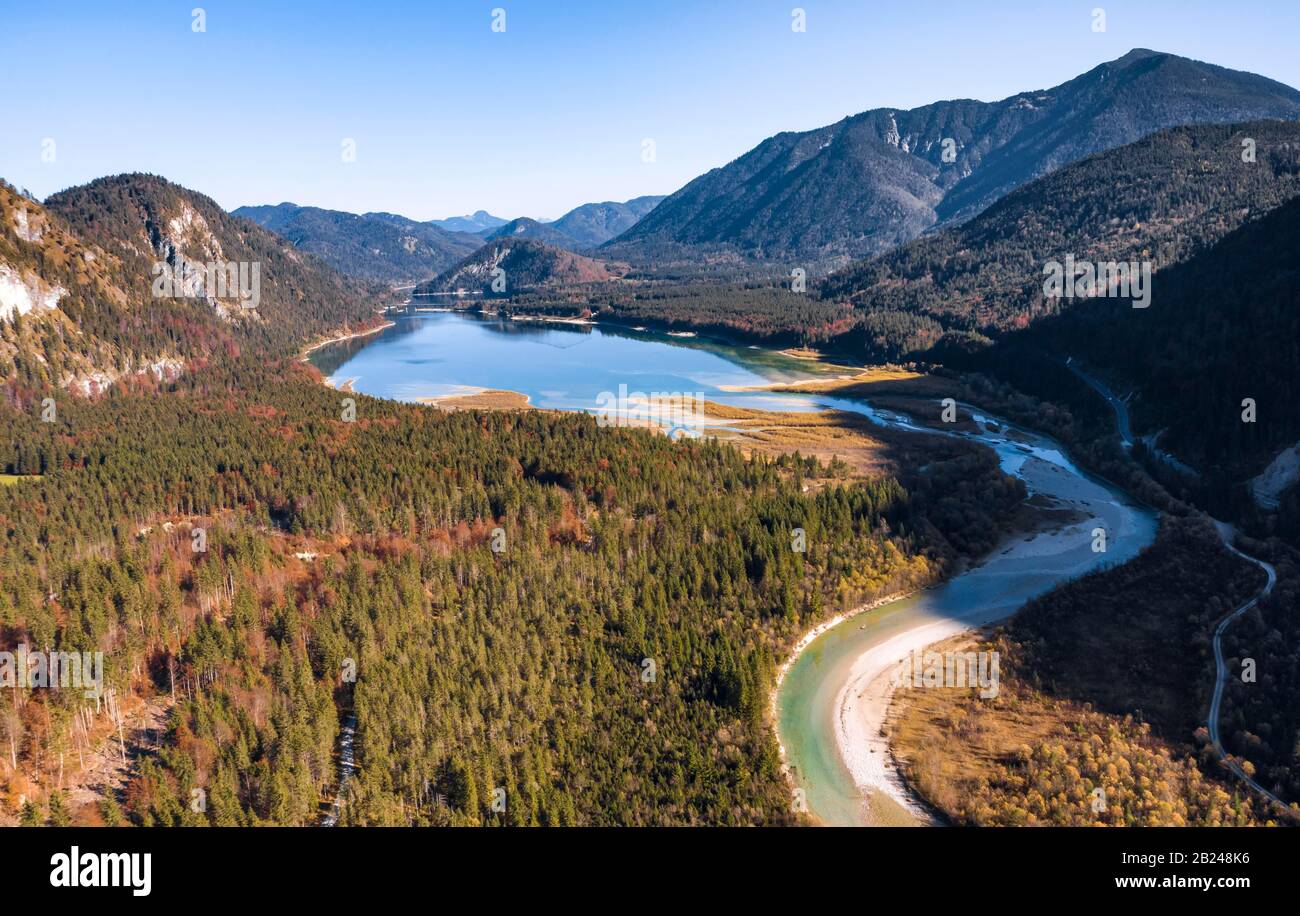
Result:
133,275
48,278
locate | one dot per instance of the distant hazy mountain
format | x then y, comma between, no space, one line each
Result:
594,224
582,228
376,246
478,223
527,228
527,264
880,178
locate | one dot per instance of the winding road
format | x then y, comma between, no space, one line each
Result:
1122,423
1221,666
1228,535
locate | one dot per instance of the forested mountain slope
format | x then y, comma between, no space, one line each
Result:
1162,199
378,247
1222,327
112,278
881,178
519,264
1218,229
146,221
70,314
606,658
591,225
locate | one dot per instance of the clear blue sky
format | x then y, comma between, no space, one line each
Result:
450,117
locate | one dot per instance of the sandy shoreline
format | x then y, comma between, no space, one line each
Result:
789,387
863,703
553,319
827,384
863,692
807,639
804,642
862,708
474,398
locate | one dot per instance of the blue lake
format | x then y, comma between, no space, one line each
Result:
561,366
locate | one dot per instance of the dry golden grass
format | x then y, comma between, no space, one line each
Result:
868,450
824,435
1028,758
883,811
813,354
926,725
882,380
897,389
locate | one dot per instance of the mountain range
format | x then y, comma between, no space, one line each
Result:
883,177
584,227
1218,227
1162,199
383,247
74,272
479,222
828,196
390,248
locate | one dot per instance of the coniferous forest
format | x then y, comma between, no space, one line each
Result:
609,663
